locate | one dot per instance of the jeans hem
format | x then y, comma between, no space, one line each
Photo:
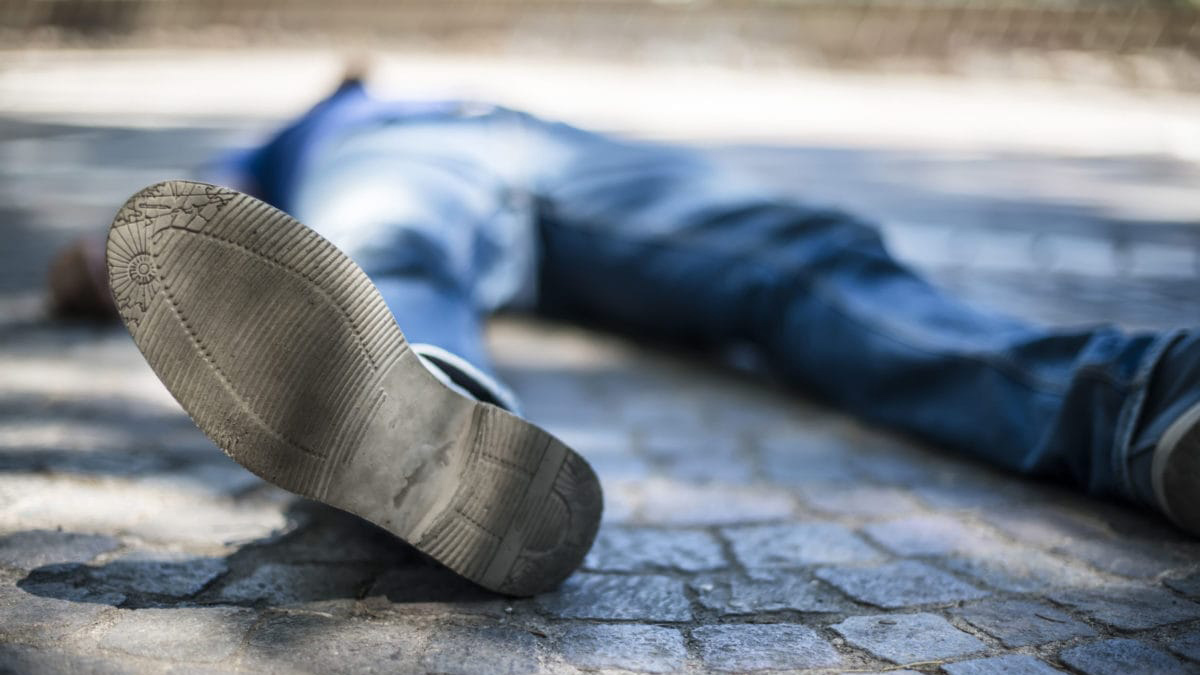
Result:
1131,413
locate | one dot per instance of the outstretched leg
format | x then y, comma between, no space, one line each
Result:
657,240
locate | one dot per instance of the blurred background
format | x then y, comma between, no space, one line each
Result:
1039,156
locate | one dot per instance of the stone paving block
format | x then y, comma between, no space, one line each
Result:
33,548
751,647
900,584
698,456
1020,569
328,535
1124,558
1187,645
1189,585
175,575
595,442
649,410
796,545
645,597
857,500
1009,664
637,549
28,660
132,507
141,576
640,648
1129,608
429,589
1019,623
908,638
31,616
929,536
768,591
615,468
672,503
286,584
967,493
1061,534
810,457
1123,656
204,634
312,643
487,649
217,476
621,501
901,465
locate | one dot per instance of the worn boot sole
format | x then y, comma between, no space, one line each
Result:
284,353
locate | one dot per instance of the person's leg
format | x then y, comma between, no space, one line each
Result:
405,189
657,241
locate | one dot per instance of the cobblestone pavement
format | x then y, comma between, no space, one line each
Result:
746,528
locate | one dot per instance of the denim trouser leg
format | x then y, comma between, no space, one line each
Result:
654,241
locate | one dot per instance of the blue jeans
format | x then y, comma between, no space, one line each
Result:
457,209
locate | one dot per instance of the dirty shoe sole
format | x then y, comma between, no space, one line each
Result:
284,353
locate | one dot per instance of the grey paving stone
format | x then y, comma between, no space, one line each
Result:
204,634
1125,558
751,647
965,493
175,575
673,503
34,548
34,617
698,456
313,643
640,648
1019,623
731,594
615,468
1060,533
331,536
1129,608
1009,664
632,549
900,584
284,584
1189,585
908,638
857,500
928,536
431,590
810,457
139,576
645,597
1187,645
155,514
19,659
1123,657
796,545
1021,569
217,475
487,649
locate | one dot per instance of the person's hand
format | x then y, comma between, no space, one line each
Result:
78,281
